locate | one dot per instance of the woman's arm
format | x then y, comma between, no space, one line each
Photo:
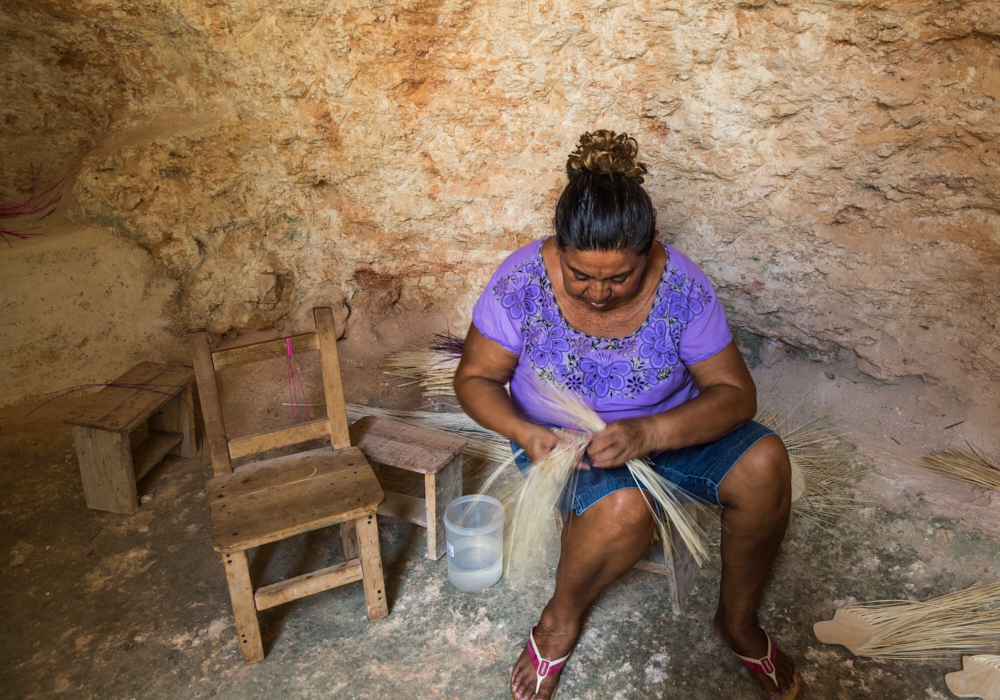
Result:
479,385
727,399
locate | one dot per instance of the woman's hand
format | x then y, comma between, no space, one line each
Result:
618,443
536,441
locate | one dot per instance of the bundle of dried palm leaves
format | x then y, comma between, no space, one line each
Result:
965,465
824,470
432,367
550,477
957,623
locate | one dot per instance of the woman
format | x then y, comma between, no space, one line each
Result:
633,326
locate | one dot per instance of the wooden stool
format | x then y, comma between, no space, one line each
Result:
672,558
121,433
436,455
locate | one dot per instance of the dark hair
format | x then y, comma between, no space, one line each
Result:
604,206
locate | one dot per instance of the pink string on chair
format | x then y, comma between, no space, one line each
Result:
295,388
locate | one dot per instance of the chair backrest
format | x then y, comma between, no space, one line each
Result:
223,449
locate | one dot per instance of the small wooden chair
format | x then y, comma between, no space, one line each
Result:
433,453
278,498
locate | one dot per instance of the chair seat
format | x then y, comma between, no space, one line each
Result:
405,446
285,496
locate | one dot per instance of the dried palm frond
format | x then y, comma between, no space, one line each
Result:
965,465
432,367
957,623
824,469
480,443
538,495
567,408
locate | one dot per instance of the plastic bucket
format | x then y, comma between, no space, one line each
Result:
474,532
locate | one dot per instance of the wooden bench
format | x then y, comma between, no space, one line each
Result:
124,431
435,454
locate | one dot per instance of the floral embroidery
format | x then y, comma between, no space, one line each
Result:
520,297
658,345
594,366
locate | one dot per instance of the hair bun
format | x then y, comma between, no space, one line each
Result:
605,152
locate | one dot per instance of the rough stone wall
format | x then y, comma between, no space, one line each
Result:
833,166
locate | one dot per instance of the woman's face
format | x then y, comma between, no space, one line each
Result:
602,280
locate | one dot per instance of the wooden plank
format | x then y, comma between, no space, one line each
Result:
244,611
349,539
123,410
403,507
336,411
405,446
211,409
278,498
683,569
152,450
652,567
106,469
265,350
177,416
308,584
440,490
371,567
262,442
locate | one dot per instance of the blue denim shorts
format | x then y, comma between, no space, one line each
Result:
697,470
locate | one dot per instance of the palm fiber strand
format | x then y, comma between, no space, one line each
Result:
825,466
433,367
965,465
964,622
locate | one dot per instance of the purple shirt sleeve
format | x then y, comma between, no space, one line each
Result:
490,316
707,332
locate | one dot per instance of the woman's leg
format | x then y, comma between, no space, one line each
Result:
597,548
756,499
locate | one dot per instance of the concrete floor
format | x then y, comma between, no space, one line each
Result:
108,606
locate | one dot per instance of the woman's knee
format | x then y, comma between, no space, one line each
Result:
623,514
763,469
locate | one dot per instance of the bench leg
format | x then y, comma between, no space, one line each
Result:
176,417
244,609
349,537
682,567
439,490
106,470
371,567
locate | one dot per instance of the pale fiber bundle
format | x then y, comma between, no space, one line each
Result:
965,465
957,623
537,497
531,514
824,470
433,367
480,443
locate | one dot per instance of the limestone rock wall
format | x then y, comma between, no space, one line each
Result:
832,165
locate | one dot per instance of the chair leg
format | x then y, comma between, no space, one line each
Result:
439,490
244,609
371,566
349,537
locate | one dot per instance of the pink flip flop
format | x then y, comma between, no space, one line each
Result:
768,665
543,667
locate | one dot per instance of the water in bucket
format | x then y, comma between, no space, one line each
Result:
474,531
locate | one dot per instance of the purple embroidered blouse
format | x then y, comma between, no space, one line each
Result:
639,375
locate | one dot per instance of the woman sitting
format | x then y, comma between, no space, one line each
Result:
634,327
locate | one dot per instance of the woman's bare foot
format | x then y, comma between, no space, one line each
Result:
554,639
751,641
